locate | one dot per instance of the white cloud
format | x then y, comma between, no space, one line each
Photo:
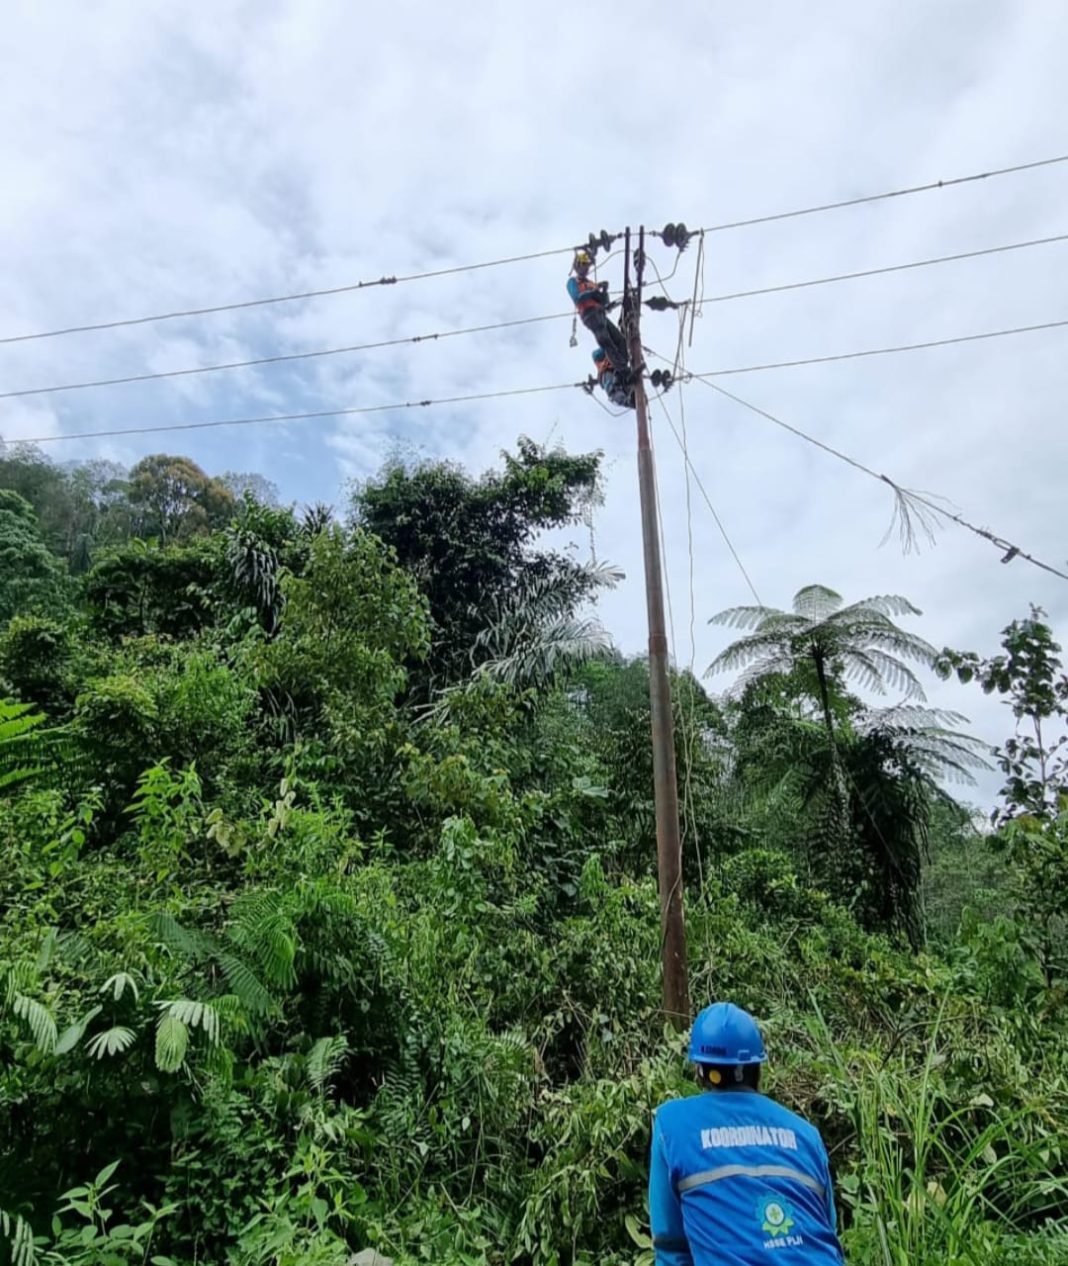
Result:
167,158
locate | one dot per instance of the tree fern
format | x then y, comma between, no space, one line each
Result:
857,643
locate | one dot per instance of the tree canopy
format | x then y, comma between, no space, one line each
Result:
328,913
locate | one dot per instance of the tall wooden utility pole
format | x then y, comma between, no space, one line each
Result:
665,787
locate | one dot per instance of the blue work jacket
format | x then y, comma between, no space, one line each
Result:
735,1179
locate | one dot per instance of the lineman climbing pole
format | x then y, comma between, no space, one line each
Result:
665,786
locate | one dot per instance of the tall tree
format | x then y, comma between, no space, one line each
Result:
470,543
176,499
827,640
864,780
32,579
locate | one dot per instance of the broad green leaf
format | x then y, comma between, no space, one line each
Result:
172,1042
71,1036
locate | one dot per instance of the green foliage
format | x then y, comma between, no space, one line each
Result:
305,957
173,498
26,749
32,581
143,587
35,654
861,782
1033,818
468,542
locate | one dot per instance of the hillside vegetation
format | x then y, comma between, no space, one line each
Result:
328,919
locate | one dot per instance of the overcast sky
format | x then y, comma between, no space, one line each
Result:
162,156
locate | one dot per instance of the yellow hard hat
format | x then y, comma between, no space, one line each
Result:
582,259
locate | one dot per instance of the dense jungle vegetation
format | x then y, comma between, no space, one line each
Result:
328,912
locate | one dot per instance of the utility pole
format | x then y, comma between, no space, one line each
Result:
665,786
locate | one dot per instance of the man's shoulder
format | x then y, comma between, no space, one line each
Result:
730,1106
672,1110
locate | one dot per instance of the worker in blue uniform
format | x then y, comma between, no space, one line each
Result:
615,383
591,301
735,1179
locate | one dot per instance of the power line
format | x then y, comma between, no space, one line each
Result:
289,298
904,495
880,351
702,377
279,359
318,353
879,197
298,417
240,305
879,272
708,501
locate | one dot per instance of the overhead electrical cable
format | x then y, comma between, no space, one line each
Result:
697,305
391,280
298,417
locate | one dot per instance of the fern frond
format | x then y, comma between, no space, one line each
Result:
187,942
263,929
816,602
885,604
324,1061
742,617
246,985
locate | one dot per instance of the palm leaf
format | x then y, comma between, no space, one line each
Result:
111,1041
39,1021
19,1235
118,984
194,1015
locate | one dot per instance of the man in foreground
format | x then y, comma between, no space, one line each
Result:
735,1179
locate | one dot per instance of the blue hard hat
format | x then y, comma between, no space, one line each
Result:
599,353
725,1034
